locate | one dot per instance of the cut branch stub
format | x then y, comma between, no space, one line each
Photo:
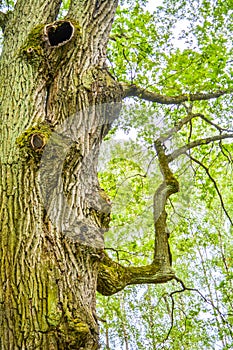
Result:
58,33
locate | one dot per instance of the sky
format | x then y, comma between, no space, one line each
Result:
152,4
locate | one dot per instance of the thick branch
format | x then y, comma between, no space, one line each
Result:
136,91
168,187
185,148
114,277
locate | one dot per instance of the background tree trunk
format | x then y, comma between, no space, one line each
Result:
57,103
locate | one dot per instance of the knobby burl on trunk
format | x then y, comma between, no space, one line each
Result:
58,101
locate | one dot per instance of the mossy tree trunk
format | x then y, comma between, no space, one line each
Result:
54,86
58,101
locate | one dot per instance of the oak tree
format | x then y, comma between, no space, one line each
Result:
59,100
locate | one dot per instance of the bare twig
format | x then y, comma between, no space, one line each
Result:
215,186
179,126
219,128
205,141
183,289
226,152
117,251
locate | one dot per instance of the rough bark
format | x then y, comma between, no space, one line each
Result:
56,106
58,101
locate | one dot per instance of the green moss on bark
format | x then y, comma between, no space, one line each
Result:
33,47
24,141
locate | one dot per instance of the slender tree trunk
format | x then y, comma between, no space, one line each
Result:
57,103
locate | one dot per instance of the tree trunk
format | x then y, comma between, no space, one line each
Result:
57,103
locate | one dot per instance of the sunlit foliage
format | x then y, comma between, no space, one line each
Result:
180,47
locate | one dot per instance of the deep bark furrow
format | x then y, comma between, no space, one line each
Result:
49,260
100,28
46,11
89,10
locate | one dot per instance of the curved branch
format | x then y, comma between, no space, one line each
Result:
168,187
114,277
131,90
185,148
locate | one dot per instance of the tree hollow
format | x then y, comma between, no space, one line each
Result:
59,33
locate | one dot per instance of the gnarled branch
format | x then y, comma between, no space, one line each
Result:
114,277
168,187
132,90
